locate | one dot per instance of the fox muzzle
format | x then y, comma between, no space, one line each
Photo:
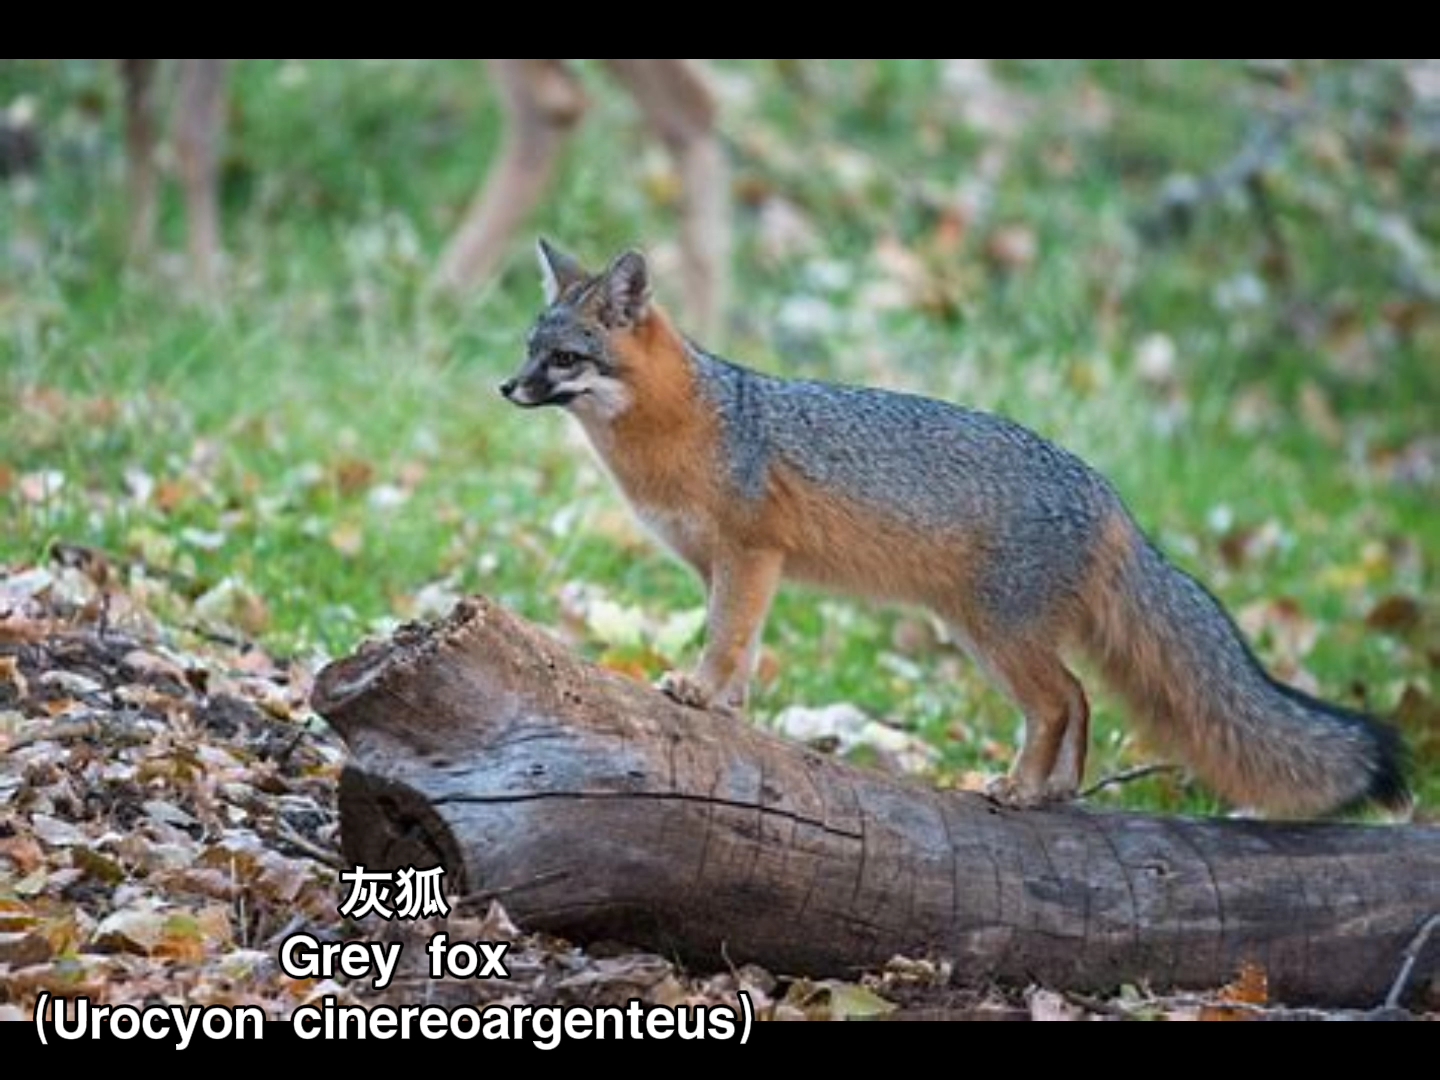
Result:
532,393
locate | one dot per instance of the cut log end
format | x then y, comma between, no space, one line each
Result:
390,825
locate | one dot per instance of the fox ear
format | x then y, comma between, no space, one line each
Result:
558,271
626,291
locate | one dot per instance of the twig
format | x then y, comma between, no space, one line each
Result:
1124,776
1183,196
321,854
216,637
1263,1011
484,896
289,748
1407,965
1278,254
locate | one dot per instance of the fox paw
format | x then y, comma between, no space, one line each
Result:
685,689
688,690
1007,791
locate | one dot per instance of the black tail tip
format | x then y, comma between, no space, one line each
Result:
1389,787
1387,759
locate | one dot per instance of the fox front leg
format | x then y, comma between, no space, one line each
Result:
742,584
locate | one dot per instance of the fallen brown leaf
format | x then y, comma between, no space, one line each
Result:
1395,614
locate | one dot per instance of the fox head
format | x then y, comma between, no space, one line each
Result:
572,354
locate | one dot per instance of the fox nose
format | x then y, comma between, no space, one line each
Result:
508,386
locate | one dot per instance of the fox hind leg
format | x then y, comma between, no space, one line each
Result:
1051,762
1069,770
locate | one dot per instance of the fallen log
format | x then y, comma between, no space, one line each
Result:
594,807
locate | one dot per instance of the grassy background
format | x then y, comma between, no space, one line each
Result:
325,451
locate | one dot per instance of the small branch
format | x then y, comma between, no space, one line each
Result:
1273,1012
1412,954
325,855
482,898
1277,255
1125,776
1183,195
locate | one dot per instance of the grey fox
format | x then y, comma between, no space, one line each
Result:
1017,544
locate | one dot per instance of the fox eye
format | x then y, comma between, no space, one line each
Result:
566,359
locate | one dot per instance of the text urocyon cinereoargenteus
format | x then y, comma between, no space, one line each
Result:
1018,545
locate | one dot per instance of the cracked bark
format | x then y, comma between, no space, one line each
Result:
594,807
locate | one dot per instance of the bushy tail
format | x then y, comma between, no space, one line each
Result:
1167,645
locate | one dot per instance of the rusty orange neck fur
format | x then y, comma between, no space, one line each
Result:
651,446
655,367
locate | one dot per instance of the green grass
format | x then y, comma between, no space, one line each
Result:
281,429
